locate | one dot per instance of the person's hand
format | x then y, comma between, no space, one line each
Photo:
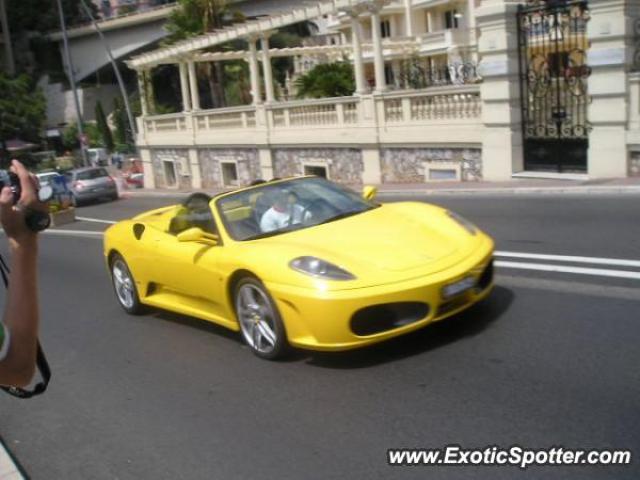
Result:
12,216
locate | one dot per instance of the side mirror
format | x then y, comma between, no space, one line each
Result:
196,234
369,192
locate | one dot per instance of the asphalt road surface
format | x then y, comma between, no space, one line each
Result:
552,358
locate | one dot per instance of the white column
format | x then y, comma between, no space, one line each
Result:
502,152
184,88
151,94
610,33
266,69
253,72
429,22
408,18
193,86
358,64
142,91
194,164
471,15
378,58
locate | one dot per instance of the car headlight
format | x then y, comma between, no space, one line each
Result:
317,267
463,222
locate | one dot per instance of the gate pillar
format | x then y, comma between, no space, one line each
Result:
610,57
501,116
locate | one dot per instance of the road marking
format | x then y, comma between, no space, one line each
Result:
571,259
600,272
565,286
96,220
74,232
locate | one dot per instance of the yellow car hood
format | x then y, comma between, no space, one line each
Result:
390,243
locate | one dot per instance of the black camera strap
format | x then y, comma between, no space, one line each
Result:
41,360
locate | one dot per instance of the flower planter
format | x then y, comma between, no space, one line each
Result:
62,217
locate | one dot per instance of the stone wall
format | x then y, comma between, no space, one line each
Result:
634,164
409,165
246,160
343,165
179,157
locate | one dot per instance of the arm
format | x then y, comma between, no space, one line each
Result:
21,309
21,315
268,222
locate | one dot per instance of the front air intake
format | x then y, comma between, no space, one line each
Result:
387,316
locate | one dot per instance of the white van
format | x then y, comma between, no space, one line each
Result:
98,156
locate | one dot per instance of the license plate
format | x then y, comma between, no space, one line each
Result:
458,287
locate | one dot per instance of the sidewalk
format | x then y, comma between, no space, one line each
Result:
515,186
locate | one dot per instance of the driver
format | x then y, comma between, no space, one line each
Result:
285,211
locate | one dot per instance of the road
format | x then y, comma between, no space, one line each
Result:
550,359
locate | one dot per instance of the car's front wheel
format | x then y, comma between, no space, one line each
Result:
260,322
125,286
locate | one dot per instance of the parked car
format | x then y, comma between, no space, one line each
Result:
133,180
91,183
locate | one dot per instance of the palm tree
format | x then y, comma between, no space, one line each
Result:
196,17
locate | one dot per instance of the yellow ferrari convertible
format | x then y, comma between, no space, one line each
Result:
301,262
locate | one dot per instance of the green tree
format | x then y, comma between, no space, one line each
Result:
22,109
70,139
122,134
327,80
42,15
103,127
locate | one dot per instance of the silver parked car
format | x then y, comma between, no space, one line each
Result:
91,183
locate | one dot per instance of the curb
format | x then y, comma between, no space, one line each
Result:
601,190
626,190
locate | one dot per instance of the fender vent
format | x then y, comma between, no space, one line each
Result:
138,230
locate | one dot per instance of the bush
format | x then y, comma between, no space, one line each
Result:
327,80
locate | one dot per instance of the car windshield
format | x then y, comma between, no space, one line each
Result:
91,174
282,207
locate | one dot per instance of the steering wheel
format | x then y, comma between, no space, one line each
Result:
308,209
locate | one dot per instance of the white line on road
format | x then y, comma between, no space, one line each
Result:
601,272
81,233
571,259
96,220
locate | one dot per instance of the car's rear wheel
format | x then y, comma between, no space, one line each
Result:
260,323
124,286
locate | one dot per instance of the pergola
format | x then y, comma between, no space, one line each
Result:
189,52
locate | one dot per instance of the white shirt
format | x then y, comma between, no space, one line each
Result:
275,220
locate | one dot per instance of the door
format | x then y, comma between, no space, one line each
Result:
192,270
553,84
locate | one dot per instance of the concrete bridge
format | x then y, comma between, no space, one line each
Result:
133,33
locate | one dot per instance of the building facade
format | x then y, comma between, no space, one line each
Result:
445,90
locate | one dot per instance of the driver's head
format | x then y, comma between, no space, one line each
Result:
281,200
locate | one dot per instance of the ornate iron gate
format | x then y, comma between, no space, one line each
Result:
553,84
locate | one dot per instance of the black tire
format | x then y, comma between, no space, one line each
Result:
273,320
114,197
134,307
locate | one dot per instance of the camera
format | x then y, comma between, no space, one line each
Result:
35,219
